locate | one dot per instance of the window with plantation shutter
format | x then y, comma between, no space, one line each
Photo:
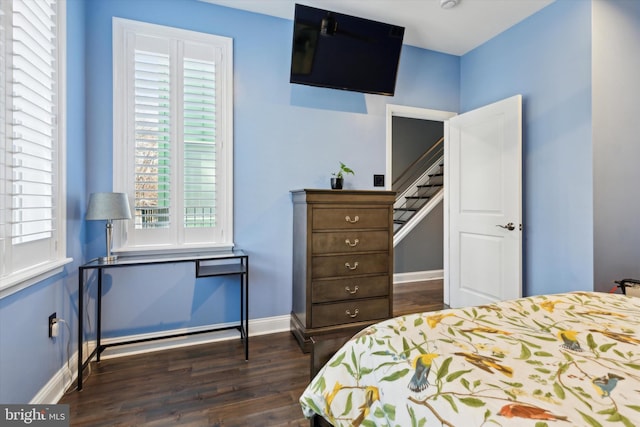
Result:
199,143
152,104
32,214
173,136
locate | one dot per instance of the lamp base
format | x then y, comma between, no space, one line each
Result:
108,259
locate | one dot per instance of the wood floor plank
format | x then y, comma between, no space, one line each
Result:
211,384
417,297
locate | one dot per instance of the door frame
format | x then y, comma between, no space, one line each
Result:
394,110
410,113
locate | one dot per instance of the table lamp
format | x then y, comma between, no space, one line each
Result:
108,206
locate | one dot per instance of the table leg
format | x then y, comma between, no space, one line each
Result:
99,315
80,326
245,279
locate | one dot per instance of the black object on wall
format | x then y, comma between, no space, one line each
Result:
345,52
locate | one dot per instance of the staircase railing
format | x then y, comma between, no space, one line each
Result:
418,167
419,189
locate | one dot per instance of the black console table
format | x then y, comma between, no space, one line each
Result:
207,264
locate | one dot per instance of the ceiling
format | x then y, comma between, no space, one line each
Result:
455,31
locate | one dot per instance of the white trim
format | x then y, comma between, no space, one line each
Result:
185,249
425,114
417,276
256,327
411,113
419,216
445,221
15,281
61,173
22,280
54,389
175,238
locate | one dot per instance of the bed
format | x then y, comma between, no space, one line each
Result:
560,359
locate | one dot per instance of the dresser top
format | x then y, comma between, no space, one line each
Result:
330,191
342,196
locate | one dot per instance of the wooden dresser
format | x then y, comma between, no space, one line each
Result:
342,262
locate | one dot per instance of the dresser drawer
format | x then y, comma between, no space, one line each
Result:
349,312
349,265
346,218
350,241
347,289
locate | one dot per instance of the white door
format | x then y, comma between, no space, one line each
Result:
483,204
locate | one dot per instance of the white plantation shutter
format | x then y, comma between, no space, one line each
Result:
173,144
31,215
199,141
152,140
4,159
33,124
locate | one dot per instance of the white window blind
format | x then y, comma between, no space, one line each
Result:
33,124
199,143
31,221
152,140
173,146
4,160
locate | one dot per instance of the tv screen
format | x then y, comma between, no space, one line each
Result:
344,52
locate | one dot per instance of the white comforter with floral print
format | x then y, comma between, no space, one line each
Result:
564,359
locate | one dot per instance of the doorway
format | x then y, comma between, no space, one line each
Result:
483,212
411,270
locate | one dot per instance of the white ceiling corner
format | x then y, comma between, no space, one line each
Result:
455,31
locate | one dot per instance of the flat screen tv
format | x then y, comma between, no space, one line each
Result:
344,52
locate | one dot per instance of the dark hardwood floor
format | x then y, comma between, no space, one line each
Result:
212,384
417,297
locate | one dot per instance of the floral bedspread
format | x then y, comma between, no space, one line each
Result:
563,359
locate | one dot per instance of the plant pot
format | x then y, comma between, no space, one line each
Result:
336,183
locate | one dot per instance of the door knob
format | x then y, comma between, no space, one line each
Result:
509,226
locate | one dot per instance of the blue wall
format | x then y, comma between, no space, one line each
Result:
285,137
547,59
289,137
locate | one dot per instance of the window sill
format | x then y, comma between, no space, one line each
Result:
18,281
158,250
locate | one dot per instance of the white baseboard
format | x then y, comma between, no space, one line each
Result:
417,276
256,327
54,389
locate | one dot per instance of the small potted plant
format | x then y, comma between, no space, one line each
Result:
338,177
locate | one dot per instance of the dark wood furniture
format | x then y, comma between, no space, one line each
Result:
342,262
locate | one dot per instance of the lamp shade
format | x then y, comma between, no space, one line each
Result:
108,206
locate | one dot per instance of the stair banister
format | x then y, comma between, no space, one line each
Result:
399,180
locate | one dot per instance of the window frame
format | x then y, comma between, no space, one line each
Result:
13,281
126,237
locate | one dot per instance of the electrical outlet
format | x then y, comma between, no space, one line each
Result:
52,322
378,180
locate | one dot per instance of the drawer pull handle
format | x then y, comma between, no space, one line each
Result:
353,245
347,265
354,315
352,221
352,292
